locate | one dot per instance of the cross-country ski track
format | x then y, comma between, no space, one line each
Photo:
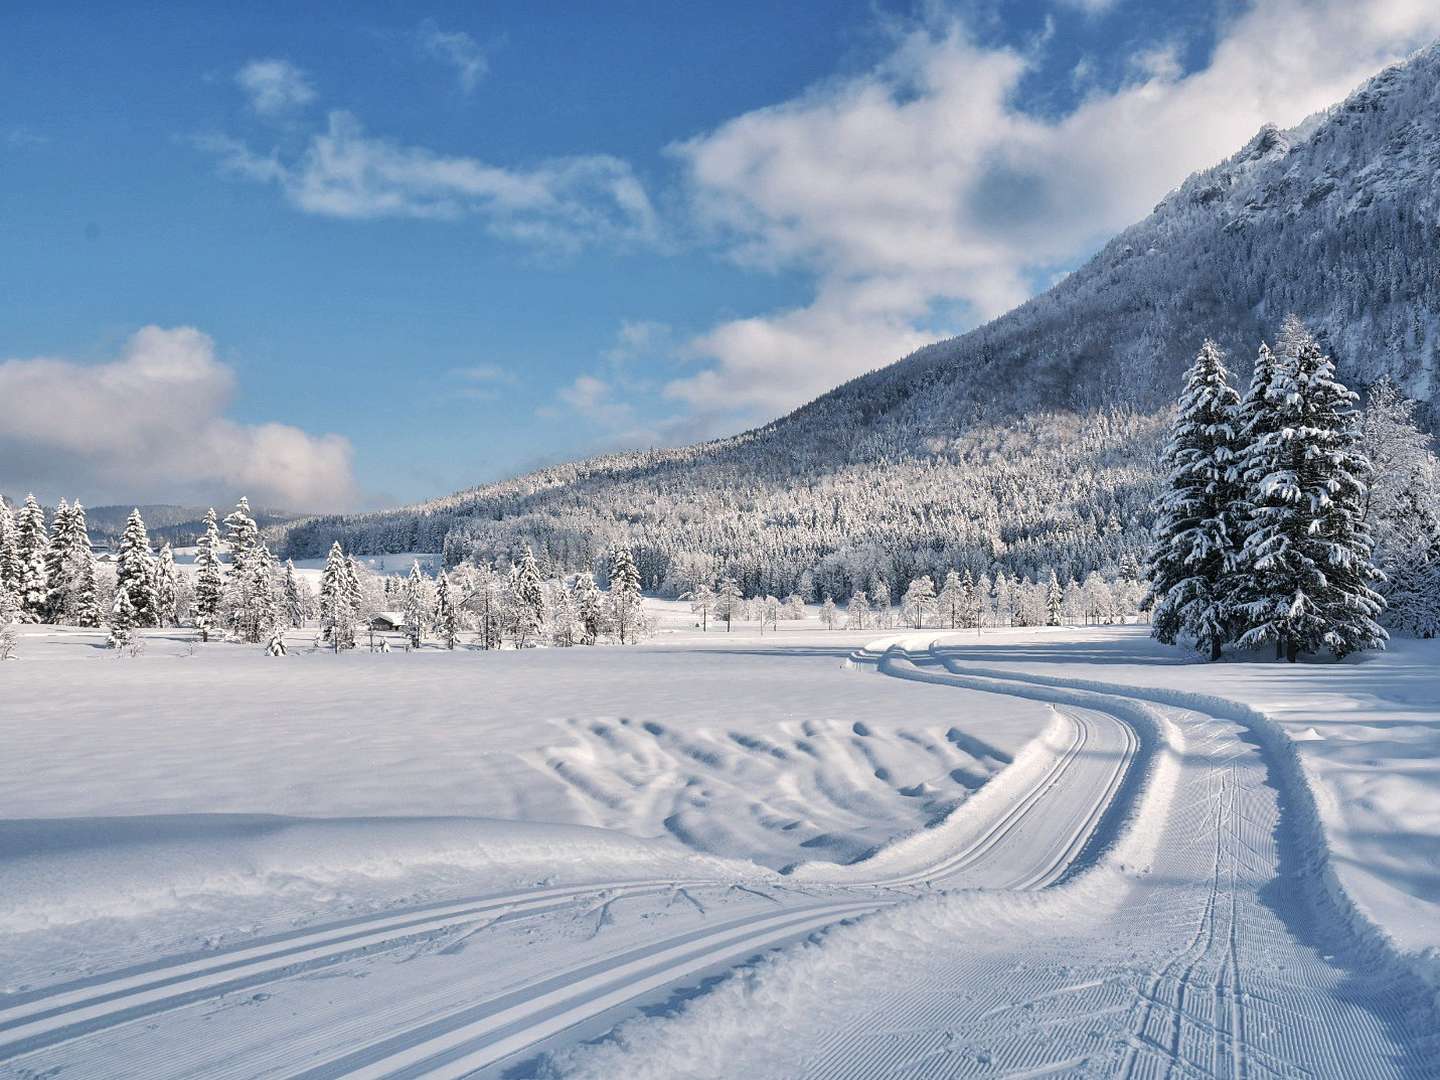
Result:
1180,928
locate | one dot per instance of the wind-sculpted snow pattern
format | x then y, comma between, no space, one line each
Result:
805,788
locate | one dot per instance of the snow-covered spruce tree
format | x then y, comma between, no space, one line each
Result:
1054,600
1308,556
447,618
123,619
1200,520
209,578
84,594
526,600
166,588
589,608
242,604
293,596
56,571
359,608
626,611
70,570
337,624
32,542
919,600
415,604
9,552
9,616
135,571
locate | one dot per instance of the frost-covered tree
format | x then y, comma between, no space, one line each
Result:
135,571
918,601
1054,600
626,611
589,608
70,570
829,614
728,601
1402,509
56,577
9,553
123,618
564,614
296,596
209,578
482,595
337,612
770,613
1002,599
166,588
1099,599
882,614
415,604
702,601
9,616
951,600
447,616
241,534
1307,560
32,542
526,600
1202,513
857,612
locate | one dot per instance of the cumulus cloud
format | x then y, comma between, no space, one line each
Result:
274,86
921,184
150,425
458,50
344,172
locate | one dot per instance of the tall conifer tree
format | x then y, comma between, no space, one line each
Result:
1196,538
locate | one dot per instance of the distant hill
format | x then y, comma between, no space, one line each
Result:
1030,441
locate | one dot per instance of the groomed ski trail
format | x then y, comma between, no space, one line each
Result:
1205,944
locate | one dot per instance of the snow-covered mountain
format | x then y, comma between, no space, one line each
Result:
1029,441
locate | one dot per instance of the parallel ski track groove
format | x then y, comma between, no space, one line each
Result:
466,1041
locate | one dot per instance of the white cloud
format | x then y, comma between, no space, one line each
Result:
274,86
562,203
1090,7
149,425
457,49
921,184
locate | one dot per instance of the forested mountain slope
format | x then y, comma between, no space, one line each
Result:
1030,441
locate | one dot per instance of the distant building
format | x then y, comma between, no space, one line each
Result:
388,620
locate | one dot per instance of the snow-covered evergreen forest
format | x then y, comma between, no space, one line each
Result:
1273,501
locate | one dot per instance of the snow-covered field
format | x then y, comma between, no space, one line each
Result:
1008,853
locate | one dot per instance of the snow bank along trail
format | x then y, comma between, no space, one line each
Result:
1202,944
1026,829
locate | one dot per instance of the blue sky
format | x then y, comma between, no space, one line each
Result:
355,254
